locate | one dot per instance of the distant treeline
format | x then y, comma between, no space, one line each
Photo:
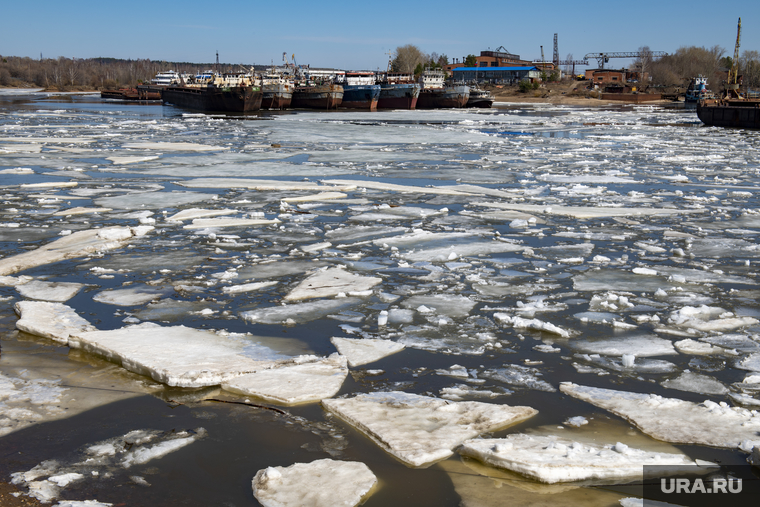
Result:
90,73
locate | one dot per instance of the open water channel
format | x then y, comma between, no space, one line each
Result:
508,250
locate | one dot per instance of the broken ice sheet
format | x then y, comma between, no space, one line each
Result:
50,320
552,459
420,430
365,350
674,420
49,291
519,376
332,282
299,313
708,319
696,383
306,379
133,295
46,480
640,345
178,355
77,244
321,483
479,485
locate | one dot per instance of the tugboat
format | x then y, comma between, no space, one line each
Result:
479,98
697,90
210,91
435,94
360,91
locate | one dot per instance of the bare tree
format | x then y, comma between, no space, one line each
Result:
406,58
749,65
688,62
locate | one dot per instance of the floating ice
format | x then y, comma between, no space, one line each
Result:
365,351
262,185
587,211
639,345
247,287
131,296
173,355
309,379
751,362
696,383
165,146
193,213
689,346
535,324
152,200
420,430
674,420
552,459
46,480
49,291
519,376
77,244
210,223
708,319
50,320
299,313
331,282
452,305
321,483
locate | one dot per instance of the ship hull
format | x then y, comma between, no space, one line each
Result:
233,99
398,96
360,97
276,96
317,97
482,100
730,113
449,97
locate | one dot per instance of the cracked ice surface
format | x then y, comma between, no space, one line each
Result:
552,459
678,421
534,244
420,430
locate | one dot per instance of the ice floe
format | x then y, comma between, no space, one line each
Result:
321,483
50,320
674,420
77,244
49,291
552,459
420,430
361,351
47,480
331,282
308,379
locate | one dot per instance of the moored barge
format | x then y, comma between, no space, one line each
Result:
360,91
728,112
398,91
435,94
322,96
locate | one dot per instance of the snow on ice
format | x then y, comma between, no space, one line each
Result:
321,483
678,421
420,430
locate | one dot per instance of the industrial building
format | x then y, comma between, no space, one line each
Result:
499,75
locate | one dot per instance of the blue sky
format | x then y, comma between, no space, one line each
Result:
358,35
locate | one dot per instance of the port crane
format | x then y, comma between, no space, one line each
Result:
732,87
603,58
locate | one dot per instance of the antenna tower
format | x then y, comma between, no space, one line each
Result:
556,54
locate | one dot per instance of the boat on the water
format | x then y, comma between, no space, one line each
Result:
697,90
277,89
317,96
398,91
730,112
479,98
436,94
360,91
216,93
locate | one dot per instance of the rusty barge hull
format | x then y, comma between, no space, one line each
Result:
317,97
214,99
454,97
398,96
276,96
739,113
